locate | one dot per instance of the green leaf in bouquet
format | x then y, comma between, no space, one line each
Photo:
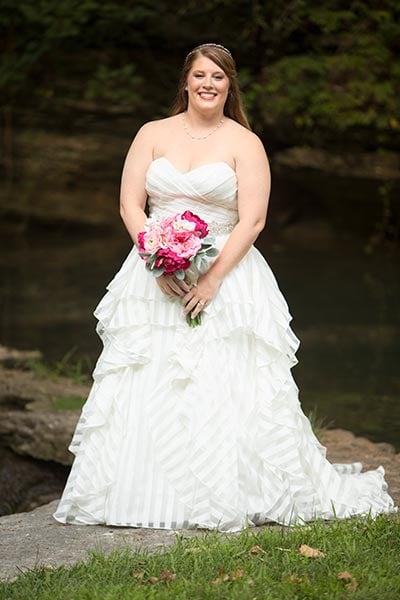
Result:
158,272
151,260
212,252
197,261
209,240
180,274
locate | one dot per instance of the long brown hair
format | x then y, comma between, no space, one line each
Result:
233,106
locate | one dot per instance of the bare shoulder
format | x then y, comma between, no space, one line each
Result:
251,161
158,126
246,144
148,135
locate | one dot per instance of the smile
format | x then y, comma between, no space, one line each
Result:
207,95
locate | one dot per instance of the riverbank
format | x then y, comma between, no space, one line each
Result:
39,412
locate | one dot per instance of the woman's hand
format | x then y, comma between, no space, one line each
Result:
171,286
200,295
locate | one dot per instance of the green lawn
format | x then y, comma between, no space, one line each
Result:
357,558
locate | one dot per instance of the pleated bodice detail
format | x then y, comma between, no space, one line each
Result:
209,190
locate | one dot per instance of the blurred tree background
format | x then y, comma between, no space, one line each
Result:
313,77
311,73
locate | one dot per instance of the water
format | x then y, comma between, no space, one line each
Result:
344,305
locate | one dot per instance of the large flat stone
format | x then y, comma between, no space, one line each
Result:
36,538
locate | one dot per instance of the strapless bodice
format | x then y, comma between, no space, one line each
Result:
209,190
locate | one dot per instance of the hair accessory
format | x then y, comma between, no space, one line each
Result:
210,45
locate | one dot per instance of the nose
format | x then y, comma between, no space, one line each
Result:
208,82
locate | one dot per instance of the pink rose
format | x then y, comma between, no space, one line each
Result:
184,243
170,261
153,240
201,226
140,241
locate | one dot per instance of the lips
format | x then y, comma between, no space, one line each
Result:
207,95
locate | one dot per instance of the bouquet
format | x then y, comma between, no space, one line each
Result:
174,244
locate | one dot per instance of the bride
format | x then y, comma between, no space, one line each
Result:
202,427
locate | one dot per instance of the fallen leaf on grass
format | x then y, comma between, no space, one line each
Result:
345,575
295,579
351,583
236,574
310,552
223,576
256,550
166,575
298,580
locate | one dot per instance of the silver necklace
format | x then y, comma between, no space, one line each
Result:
203,137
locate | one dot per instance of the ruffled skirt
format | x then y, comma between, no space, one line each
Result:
187,428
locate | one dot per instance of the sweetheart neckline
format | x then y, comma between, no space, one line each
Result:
183,173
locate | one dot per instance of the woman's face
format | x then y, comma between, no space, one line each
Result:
207,85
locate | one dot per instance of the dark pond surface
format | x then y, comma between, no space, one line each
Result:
344,303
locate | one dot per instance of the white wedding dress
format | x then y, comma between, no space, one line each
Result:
202,427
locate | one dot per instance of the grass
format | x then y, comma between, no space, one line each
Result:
318,423
76,369
262,565
68,402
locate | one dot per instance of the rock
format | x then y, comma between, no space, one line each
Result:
36,538
34,434
370,165
343,447
23,388
26,483
10,357
68,178
30,423
41,434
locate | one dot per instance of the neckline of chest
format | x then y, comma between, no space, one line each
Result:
198,168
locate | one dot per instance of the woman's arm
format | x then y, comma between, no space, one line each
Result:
254,184
133,197
133,194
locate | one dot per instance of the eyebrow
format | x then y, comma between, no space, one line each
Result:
220,72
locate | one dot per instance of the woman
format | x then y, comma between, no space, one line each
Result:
202,427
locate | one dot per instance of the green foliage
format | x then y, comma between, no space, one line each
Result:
120,85
68,403
309,72
347,82
76,369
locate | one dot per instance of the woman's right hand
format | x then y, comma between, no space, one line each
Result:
171,286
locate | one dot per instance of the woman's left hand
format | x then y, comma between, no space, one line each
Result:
200,295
